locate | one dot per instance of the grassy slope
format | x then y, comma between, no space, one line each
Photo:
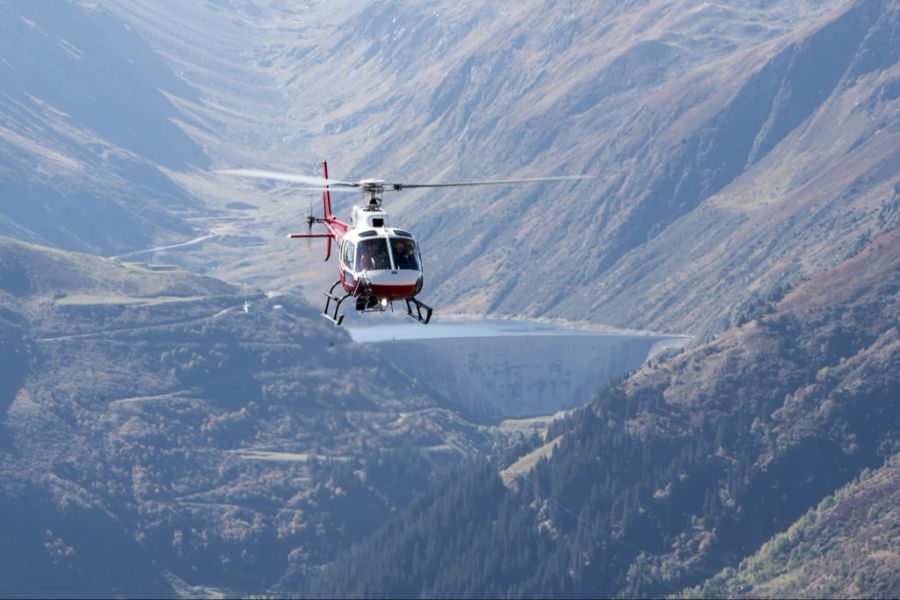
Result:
846,547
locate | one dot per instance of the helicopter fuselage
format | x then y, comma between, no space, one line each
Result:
379,262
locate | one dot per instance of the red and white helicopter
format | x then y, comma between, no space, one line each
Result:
378,263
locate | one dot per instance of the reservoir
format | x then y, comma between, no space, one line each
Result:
497,369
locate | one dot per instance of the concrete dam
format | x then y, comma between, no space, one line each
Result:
509,369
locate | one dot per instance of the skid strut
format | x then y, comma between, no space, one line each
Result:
420,307
331,297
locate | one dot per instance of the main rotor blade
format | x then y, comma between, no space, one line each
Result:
402,186
290,177
378,186
318,190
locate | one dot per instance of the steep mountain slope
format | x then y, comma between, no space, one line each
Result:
800,168
87,126
212,434
846,547
58,543
685,467
744,147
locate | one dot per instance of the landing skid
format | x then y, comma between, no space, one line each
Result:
332,315
420,306
333,302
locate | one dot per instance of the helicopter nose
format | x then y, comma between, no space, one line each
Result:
395,284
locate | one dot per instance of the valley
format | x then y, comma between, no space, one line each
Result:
676,378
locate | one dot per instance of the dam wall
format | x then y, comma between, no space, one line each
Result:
510,376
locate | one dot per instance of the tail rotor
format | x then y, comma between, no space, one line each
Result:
310,221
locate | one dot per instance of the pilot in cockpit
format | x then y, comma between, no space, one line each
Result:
399,254
405,254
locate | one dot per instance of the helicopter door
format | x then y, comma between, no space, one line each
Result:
347,275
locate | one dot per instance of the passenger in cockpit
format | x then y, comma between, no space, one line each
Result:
373,255
399,257
363,260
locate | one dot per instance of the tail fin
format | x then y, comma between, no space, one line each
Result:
326,196
331,224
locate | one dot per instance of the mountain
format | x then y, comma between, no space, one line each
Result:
88,132
685,467
222,439
793,172
738,148
210,434
721,175
844,547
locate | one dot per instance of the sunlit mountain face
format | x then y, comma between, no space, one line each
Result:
87,125
177,419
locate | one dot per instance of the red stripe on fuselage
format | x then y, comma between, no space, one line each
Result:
392,292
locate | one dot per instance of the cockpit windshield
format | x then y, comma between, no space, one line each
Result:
372,255
405,256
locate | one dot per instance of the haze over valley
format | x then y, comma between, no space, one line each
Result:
677,377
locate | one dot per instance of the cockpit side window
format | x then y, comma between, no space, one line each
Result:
347,254
372,255
405,255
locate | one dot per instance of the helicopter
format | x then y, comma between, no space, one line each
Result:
378,264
